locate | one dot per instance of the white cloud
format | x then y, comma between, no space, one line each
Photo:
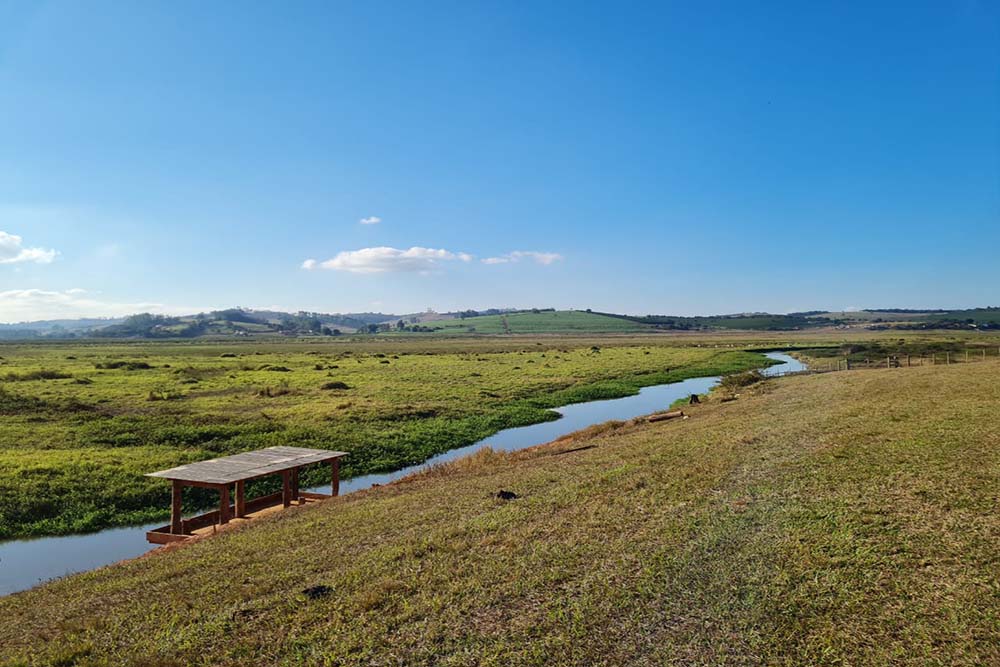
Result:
13,252
26,305
370,220
543,258
388,260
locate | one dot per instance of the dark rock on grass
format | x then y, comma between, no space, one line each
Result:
506,495
316,592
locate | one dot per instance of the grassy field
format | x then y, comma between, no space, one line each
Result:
557,322
837,519
83,422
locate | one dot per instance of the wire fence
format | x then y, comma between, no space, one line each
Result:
846,363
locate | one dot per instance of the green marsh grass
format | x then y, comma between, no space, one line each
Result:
73,454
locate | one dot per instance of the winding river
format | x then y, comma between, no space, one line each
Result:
28,562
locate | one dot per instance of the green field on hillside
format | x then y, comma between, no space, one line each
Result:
838,519
82,423
542,322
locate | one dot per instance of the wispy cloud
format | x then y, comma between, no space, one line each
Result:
12,251
543,258
370,220
388,260
25,305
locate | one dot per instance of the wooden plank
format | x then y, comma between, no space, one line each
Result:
245,466
162,536
224,504
674,414
241,499
286,488
176,525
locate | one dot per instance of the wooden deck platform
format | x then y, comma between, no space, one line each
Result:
221,473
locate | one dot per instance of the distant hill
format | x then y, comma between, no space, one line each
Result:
540,321
244,322
745,321
902,318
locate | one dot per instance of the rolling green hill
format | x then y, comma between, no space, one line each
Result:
531,322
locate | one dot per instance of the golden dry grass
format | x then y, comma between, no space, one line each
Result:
838,519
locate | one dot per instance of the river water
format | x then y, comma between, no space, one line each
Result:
26,563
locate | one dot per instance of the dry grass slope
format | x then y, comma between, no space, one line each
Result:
840,519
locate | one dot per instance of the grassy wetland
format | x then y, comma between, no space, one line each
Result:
83,422
833,519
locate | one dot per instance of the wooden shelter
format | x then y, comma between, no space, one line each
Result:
225,472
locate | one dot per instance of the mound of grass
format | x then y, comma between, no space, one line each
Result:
124,365
37,375
336,384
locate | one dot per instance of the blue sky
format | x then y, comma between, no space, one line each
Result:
673,158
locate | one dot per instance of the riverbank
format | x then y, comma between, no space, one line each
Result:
840,518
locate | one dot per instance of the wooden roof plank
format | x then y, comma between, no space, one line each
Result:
247,465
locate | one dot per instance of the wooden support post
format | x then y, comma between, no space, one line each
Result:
224,504
286,488
966,355
907,361
947,358
335,477
984,354
295,485
888,362
176,523
241,499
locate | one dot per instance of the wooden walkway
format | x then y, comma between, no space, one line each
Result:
222,473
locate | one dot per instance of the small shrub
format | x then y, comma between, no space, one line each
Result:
164,394
735,382
272,392
228,355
